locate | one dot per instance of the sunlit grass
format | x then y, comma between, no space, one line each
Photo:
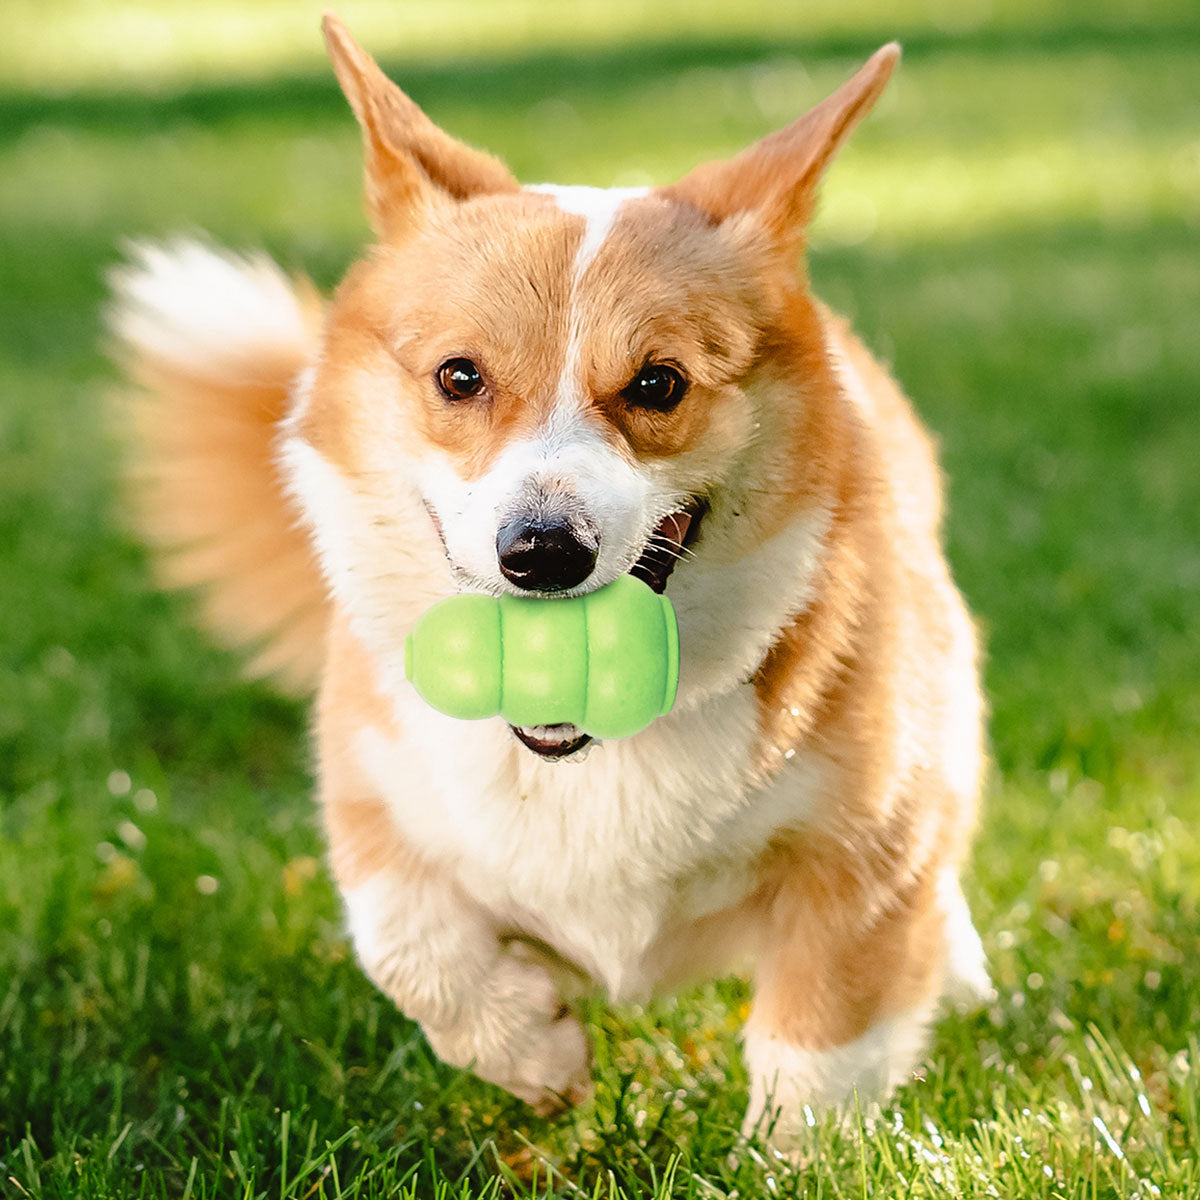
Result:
1015,230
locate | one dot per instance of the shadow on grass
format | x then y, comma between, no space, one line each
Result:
534,76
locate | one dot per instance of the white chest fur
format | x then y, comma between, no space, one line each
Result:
594,856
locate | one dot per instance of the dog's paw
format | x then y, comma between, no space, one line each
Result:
521,1036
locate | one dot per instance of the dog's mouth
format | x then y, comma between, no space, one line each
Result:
552,741
667,544
671,540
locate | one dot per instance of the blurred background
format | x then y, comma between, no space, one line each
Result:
1014,229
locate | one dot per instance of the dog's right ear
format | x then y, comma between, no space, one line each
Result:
410,162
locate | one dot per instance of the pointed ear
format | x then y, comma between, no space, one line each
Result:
409,160
777,177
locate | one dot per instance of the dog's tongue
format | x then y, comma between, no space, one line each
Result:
662,551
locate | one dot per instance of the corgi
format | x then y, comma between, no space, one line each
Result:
535,390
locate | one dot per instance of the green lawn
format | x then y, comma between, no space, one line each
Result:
1017,230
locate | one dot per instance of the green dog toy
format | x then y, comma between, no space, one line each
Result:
607,661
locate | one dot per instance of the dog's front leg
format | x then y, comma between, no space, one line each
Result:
842,1011
483,1003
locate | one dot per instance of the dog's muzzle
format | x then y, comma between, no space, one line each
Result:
671,538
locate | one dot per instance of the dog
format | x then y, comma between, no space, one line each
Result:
534,390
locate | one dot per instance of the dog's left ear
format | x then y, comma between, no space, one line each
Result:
777,178
410,162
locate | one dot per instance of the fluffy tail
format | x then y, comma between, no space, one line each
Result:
215,344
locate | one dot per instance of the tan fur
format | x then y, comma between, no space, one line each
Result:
857,911
871,679
407,309
408,158
205,491
778,176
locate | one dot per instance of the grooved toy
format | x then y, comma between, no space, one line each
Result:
607,661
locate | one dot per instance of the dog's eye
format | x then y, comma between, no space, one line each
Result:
656,385
459,379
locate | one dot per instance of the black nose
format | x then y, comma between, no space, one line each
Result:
545,556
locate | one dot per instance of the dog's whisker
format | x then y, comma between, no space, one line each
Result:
657,542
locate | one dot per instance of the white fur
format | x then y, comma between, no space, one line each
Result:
383,580
327,497
962,749
661,827
790,1085
301,397
400,924
967,981
208,312
850,377
617,498
597,206
730,612
484,1005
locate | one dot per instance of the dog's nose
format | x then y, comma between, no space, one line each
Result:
545,556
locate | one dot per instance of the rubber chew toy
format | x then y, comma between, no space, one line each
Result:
607,662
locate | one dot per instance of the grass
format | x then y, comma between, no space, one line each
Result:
1016,230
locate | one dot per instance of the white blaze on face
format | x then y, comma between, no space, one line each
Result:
597,206
592,484
568,465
